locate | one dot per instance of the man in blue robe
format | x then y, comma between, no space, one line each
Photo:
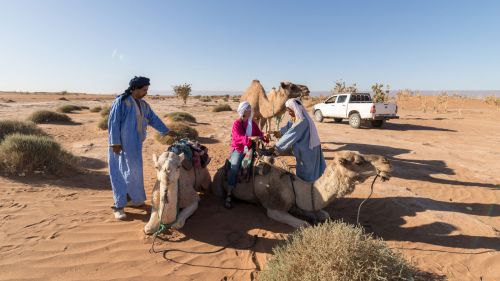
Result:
301,137
128,120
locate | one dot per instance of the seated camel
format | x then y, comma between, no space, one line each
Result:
175,189
280,192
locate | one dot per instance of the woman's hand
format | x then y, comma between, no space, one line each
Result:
117,148
254,138
276,134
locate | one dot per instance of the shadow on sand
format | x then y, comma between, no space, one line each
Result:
411,169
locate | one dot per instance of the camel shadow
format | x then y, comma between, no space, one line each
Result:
92,163
385,217
214,225
410,169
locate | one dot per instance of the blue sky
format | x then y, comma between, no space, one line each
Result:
97,46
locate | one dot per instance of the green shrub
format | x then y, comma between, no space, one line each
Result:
103,123
180,117
236,98
31,153
45,116
182,91
8,127
335,251
179,131
105,111
68,108
205,99
221,107
96,109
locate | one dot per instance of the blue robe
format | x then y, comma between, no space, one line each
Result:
310,162
127,126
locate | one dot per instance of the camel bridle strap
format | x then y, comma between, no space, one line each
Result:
371,192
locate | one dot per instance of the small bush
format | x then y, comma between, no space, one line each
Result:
182,91
221,107
96,109
103,123
63,98
45,116
335,251
8,127
180,117
205,99
179,131
492,100
236,99
30,153
68,108
105,111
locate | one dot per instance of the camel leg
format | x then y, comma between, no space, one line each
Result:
286,218
153,224
318,216
184,215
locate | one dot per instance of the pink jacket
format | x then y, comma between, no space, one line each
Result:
239,139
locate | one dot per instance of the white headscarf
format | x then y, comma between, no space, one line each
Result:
242,108
301,114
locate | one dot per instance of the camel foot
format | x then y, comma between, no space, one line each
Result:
148,229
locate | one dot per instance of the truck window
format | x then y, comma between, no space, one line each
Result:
342,99
331,99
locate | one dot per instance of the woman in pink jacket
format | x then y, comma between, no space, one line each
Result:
244,132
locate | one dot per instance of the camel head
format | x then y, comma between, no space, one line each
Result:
167,167
357,168
291,90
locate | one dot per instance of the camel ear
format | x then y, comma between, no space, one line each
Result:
285,85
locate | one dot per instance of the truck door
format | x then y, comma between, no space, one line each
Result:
340,109
327,110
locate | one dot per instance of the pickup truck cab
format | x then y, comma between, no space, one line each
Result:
356,107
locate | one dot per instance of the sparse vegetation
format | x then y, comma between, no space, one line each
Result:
179,131
379,94
33,154
205,99
221,107
335,251
105,111
68,108
402,97
182,91
492,100
180,117
8,127
341,87
103,123
46,116
96,109
236,98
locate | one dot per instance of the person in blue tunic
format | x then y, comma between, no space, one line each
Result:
128,120
301,137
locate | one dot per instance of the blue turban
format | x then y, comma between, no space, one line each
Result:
135,83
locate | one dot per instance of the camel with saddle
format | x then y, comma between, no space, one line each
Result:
273,186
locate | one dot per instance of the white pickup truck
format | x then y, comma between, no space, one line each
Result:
355,107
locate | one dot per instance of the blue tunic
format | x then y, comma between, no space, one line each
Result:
127,126
310,162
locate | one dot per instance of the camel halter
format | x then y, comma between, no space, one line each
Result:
371,192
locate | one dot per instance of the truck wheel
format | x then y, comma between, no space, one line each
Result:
355,120
377,123
318,116
337,120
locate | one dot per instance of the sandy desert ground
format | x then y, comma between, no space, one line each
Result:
441,208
